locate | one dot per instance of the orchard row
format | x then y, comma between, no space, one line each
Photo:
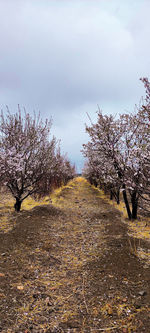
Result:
118,154
30,161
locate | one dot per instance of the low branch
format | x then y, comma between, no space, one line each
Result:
143,197
29,193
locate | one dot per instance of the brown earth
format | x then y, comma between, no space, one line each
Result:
72,267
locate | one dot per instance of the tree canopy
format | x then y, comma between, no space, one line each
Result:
28,156
118,153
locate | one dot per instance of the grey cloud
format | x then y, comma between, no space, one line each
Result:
60,57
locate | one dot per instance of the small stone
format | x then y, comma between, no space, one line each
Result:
125,300
111,287
142,293
20,287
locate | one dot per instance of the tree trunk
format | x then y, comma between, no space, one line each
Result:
134,201
17,205
111,195
105,189
95,183
118,197
126,203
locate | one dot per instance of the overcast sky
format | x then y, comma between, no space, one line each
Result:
63,58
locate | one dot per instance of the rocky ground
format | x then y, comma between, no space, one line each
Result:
73,267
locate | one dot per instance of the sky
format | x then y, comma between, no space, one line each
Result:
65,58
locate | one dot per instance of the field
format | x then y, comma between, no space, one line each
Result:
73,263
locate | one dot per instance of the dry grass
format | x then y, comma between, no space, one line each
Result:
138,229
63,283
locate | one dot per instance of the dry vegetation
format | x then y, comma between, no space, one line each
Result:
76,265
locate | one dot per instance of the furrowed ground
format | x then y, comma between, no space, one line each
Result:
73,266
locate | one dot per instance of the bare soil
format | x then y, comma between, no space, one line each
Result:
71,267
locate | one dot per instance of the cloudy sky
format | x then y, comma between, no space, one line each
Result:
65,57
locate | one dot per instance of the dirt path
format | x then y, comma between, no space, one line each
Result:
70,268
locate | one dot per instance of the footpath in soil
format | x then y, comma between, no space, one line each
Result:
69,267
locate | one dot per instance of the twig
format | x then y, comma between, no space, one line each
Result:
107,328
83,283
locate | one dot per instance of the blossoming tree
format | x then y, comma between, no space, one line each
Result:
26,153
120,150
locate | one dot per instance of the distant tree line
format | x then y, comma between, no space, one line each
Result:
118,154
30,161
